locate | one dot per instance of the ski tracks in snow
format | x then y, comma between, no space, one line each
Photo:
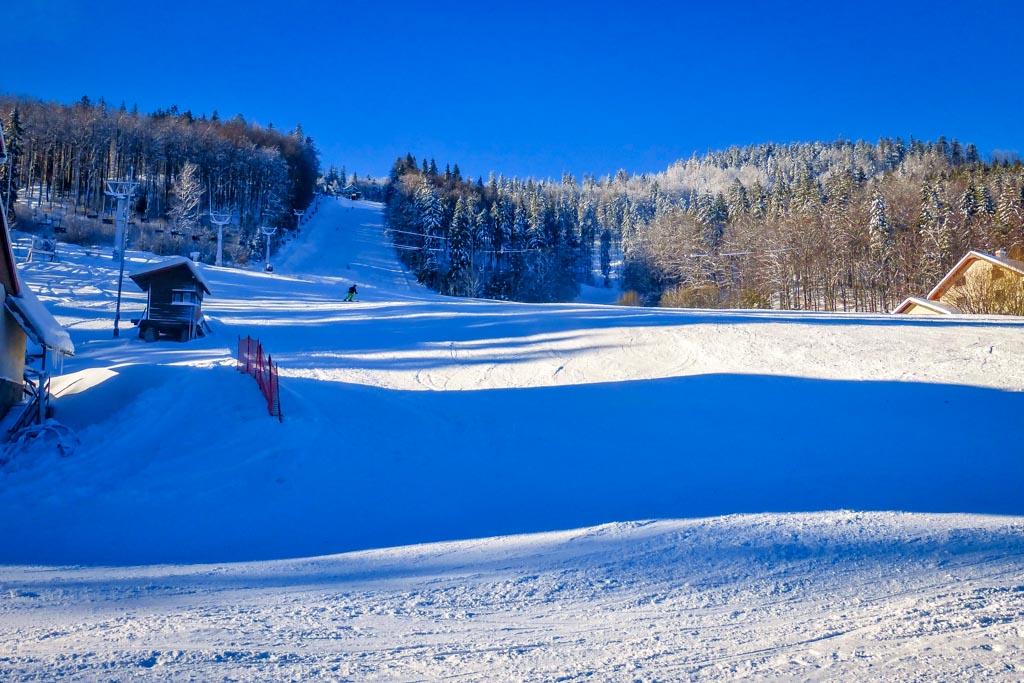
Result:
836,596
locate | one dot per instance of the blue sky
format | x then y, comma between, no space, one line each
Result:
540,88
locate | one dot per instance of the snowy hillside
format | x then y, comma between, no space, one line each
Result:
411,418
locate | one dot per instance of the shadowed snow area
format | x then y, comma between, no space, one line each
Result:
412,418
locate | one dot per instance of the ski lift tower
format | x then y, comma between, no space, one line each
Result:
220,219
298,217
122,191
267,232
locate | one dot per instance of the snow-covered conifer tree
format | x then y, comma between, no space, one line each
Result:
460,251
879,229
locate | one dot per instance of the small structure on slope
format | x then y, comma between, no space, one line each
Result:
978,283
174,302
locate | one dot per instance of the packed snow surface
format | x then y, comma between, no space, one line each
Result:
489,472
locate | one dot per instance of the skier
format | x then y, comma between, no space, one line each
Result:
351,296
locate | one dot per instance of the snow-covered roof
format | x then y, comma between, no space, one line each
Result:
143,275
40,326
944,283
936,306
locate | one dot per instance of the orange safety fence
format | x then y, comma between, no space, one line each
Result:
252,361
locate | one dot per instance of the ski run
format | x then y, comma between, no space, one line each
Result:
488,491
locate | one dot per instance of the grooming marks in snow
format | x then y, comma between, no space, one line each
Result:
438,443
824,596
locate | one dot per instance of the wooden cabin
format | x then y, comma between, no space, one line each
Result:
174,301
24,321
979,283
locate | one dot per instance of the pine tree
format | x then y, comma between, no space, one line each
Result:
428,220
588,236
934,227
985,201
969,202
738,201
606,255
428,210
714,214
880,231
479,233
460,251
501,229
956,153
971,156
1009,210
806,193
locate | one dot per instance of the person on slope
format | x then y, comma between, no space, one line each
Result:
352,291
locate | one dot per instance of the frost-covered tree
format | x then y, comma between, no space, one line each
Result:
460,266
969,203
939,241
881,233
187,193
606,255
428,210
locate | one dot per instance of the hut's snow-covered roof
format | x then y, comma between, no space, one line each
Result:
936,306
144,275
40,326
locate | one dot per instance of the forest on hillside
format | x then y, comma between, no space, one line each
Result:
840,226
832,226
60,156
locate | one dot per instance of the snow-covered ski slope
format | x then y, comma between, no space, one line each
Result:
411,418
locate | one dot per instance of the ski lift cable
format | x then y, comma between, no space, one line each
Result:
406,248
417,234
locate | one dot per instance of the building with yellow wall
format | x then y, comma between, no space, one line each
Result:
979,283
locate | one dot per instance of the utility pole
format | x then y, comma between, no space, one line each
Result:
122,191
220,219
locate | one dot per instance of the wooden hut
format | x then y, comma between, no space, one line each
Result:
174,301
978,283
